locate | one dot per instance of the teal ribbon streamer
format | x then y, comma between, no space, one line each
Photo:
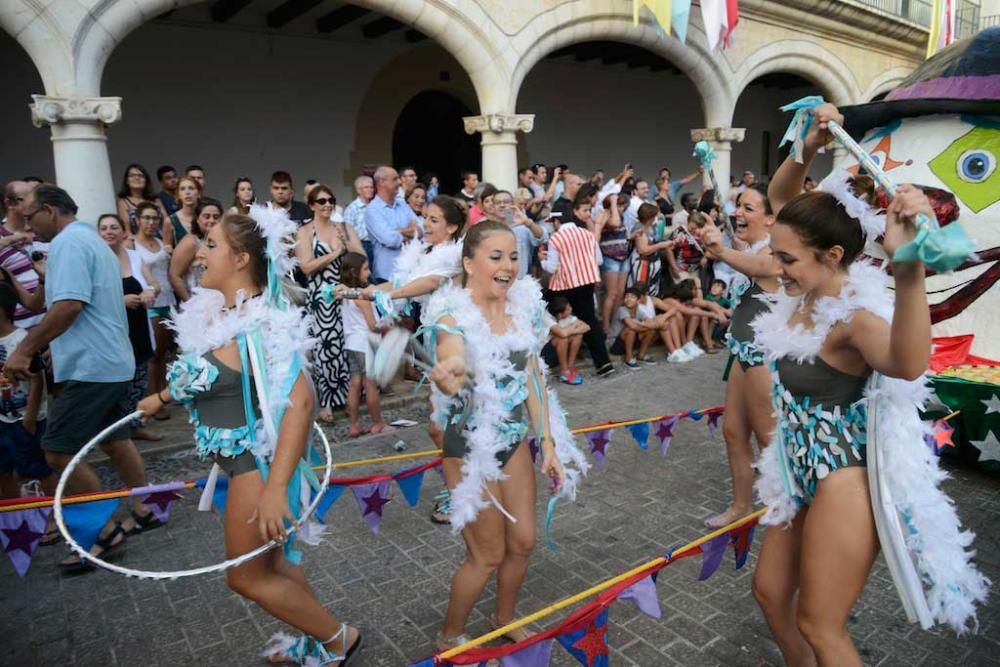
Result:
801,122
941,248
550,544
705,153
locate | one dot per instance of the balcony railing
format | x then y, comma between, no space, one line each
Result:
989,21
919,12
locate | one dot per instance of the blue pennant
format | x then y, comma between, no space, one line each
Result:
429,662
589,644
410,486
333,492
85,520
641,433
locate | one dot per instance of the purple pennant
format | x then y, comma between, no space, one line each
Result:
533,446
372,498
664,432
159,497
713,422
533,656
643,595
599,441
712,553
20,533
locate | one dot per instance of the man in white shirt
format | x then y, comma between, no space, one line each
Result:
354,214
639,196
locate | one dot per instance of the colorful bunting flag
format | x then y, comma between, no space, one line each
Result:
681,13
719,18
664,432
330,496
20,533
712,553
713,423
660,9
599,441
85,520
589,644
533,656
429,662
159,497
640,432
372,499
643,595
410,486
942,32
742,539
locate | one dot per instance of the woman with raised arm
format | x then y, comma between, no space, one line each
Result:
489,394
847,367
241,339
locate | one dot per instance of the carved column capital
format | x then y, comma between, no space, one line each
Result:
498,123
719,134
47,111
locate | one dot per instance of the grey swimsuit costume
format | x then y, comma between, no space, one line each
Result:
823,426
740,337
222,407
454,441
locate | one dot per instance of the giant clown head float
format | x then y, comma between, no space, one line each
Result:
941,128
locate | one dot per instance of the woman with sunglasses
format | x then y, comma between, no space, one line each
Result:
321,245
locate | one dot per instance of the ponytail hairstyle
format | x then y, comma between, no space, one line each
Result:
474,238
821,221
350,269
453,214
243,235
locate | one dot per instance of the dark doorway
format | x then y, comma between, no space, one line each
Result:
430,136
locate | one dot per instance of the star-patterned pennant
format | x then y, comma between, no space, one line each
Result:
372,499
712,553
20,532
664,432
640,433
742,539
410,486
599,441
159,497
535,655
643,595
589,644
713,423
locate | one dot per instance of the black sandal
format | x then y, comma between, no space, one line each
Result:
109,549
144,523
50,537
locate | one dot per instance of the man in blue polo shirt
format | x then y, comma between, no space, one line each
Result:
86,330
390,224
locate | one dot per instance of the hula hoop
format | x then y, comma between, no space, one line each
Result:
143,574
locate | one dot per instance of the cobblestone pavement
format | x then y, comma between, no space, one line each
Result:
395,584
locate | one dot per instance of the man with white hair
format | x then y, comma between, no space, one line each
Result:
390,224
354,214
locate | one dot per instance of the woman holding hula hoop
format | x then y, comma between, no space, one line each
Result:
242,374
748,390
488,393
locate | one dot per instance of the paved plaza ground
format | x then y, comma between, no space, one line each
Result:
395,584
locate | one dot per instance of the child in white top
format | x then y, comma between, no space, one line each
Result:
361,336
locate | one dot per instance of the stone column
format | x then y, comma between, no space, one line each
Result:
499,144
721,140
80,147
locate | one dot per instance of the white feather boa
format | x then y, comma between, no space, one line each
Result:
487,357
936,542
416,261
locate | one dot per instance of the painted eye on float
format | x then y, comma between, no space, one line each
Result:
975,166
878,157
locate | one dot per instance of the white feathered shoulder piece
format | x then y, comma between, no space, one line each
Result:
487,358
418,260
932,544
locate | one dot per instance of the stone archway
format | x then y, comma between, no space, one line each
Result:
883,83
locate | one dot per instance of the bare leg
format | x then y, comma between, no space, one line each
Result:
760,413
705,324
628,336
645,339
776,586
518,498
354,404
484,542
562,352
574,349
736,431
83,480
374,407
839,545
691,326
127,461
266,580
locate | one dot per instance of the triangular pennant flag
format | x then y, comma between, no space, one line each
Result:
713,422
695,415
536,655
330,496
681,12
372,499
643,595
85,520
410,486
20,533
589,644
429,662
640,432
712,553
159,497
221,494
599,441
664,432
533,446
742,539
